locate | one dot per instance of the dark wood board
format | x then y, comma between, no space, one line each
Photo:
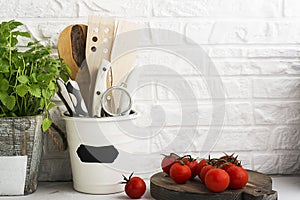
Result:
259,187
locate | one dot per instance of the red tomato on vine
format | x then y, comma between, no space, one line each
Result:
180,172
217,180
168,161
135,187
238,177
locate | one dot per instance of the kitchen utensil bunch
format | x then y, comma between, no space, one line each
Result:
97,85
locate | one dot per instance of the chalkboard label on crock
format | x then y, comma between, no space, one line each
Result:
91,154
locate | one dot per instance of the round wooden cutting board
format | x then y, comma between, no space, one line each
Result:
259,187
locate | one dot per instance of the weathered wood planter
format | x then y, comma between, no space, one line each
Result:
21,140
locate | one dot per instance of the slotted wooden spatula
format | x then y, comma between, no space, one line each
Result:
100,36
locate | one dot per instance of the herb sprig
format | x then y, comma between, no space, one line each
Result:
27,78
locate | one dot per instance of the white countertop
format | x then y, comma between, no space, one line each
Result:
288,188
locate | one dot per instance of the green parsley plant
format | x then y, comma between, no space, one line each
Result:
27,78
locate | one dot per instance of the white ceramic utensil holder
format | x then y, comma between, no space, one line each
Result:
89,176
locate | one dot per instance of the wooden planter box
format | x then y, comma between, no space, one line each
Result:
21,140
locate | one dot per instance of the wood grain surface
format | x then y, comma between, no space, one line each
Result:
259,187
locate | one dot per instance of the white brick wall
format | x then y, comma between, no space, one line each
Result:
254,45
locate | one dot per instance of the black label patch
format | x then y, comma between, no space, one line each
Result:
91,154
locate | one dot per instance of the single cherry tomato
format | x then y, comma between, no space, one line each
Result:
200,165
180,172
204,171
193,165
238,177
217,180
168,161
135,187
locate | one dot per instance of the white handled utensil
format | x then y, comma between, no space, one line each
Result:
102,97
64,96
100,87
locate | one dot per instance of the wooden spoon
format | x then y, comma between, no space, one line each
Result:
71,47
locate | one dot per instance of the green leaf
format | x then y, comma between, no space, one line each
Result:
33,78
53,69
17,61
4,66
20,33
14,24
29,44
64,76
44,77
67,69
4,85
46,93
52,86
14,41
42,103
22,90
3,95
51,105
35,90
46,124
23,79
9,102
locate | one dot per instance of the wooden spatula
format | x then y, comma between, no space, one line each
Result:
121,66
100,36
